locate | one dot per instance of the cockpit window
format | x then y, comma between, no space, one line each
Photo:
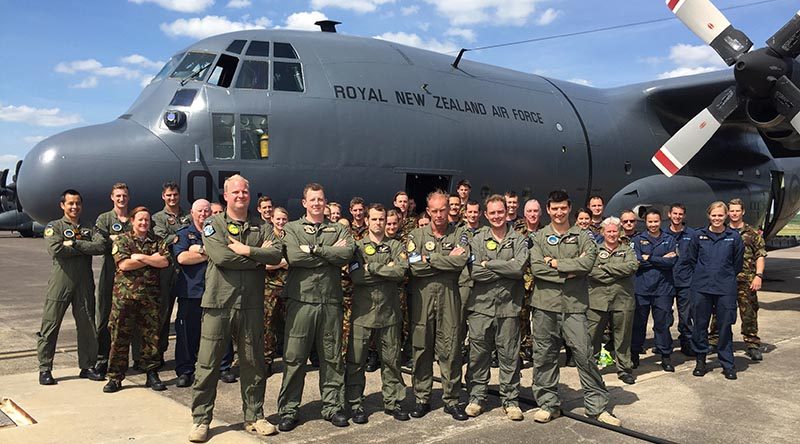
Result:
288,77
183,97
236,46
168,67
253,75
257,48
224,135
285,51
223,72
194,66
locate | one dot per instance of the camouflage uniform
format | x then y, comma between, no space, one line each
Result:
525,336
107,224
358,233
274,312
71,282
166,225
135,303
747,300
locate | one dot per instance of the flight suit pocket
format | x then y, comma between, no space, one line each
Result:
212,333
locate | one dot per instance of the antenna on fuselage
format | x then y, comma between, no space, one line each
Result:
327,25
458,57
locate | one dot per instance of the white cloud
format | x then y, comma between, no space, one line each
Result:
37,116
304,21
548,17
686,71
409,10
360,6
498,12
179,5
210,25
239,4
94,69
33,139
464,33
87,83
140,60
580,81
9,162
692,59
417,41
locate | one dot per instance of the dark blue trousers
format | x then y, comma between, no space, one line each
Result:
684,300
724,307
187,343
661,307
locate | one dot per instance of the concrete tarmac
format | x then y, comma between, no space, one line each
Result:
761,406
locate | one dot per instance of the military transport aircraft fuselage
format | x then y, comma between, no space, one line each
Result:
369,117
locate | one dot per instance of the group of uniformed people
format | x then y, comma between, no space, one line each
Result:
389,287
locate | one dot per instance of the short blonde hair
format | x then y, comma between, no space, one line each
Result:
611,221
717,204
235,178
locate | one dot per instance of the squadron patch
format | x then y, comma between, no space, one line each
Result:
491,245
49,231
117,227
552,239
86,233
208,230
383,248
411,246
233,229
644,242
309,229
603,254
430,246
572,239
369,250
185,220
115,249
69,234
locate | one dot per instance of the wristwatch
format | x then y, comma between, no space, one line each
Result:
761,275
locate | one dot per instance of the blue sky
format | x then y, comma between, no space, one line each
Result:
68,64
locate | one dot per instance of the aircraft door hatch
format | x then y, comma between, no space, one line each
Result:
776,200
419,185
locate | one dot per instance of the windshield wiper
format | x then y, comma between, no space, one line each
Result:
195,74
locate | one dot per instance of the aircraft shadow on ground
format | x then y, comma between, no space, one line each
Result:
791,304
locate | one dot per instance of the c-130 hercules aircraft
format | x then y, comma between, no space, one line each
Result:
369,117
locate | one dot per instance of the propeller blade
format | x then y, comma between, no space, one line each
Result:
16,171
708,23
3,177
787,101
683,145
786,41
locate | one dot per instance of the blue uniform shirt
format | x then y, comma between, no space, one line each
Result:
716,258
654,276
682,272
192,278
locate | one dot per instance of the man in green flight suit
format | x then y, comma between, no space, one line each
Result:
500,256
71,282
437,254
561,258
316,250
379,265
233,304
110,225
166,224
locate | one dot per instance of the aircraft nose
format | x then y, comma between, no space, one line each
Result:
91,159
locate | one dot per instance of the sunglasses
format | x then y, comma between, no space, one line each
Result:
628,221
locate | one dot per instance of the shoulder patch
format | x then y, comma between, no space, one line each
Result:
116,227
208,230
411,246
603,254
49,231
369,249
552,239
430,246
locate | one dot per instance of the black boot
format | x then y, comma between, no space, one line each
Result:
154,382
700,366
666,364
373,362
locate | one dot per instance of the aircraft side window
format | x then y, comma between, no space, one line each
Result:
287,77
259,49
194,66
223,72
255,136
224,135
168,67
236,46
254,74
284,51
